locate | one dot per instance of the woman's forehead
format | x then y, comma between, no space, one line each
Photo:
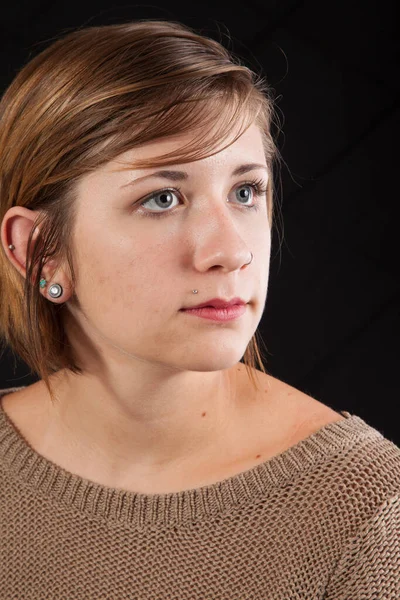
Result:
182,146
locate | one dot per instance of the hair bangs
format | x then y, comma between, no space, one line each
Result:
213,125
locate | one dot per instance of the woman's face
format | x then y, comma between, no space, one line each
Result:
135,271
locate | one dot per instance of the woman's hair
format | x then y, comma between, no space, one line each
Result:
88,97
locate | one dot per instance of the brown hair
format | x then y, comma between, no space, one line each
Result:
88,97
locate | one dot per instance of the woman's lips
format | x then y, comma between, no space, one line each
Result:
218,303
229,313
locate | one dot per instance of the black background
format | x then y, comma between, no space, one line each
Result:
331,322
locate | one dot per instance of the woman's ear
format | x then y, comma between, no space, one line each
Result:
15,229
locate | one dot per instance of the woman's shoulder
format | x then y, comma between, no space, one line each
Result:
25,407
281,415
305,410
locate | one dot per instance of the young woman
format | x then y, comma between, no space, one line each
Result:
148,462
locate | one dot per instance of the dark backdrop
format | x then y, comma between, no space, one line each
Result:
331,323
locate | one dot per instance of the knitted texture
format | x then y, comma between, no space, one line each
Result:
320,521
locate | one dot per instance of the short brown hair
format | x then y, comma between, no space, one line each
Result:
88,97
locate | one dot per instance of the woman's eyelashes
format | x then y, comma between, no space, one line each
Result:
164,197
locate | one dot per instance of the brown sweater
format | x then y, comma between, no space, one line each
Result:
321,521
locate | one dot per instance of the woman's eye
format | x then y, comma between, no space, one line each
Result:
164,199
245,192
161,199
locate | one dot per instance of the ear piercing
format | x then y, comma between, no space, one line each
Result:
55,290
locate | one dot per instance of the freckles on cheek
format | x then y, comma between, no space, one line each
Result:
122,294
125,278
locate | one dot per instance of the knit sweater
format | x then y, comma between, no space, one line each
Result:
320,520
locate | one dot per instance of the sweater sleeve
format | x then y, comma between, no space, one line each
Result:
369,568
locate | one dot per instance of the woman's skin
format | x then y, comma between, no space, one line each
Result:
164,402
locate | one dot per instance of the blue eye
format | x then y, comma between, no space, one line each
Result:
164,198
246,195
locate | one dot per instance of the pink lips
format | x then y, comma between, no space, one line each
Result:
229,313
218,303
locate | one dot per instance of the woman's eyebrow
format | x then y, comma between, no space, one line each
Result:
173,175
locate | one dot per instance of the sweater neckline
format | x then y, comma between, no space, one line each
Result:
134,508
